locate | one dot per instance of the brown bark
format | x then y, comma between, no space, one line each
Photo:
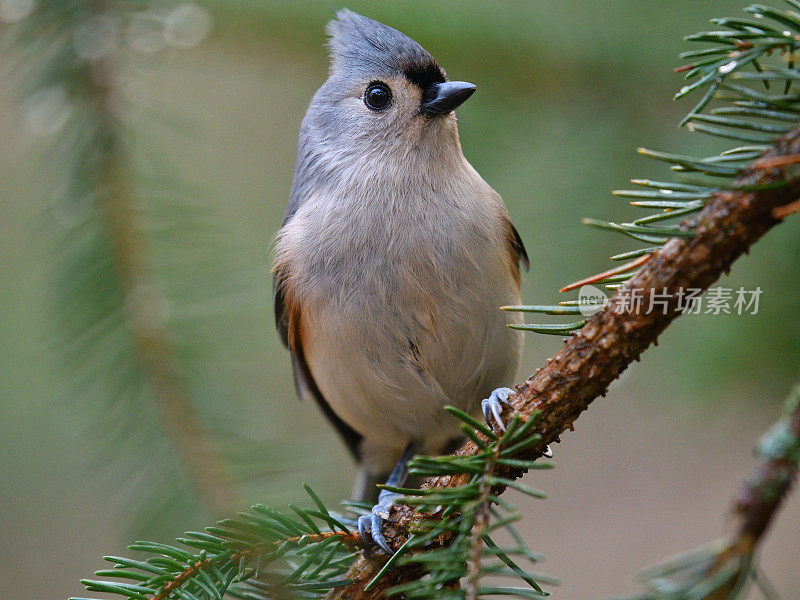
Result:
611,339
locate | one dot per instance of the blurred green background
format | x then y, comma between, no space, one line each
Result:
566,92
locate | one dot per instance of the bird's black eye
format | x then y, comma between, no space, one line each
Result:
377,96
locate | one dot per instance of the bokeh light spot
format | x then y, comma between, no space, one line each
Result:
187,25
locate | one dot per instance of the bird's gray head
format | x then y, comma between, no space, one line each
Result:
386,104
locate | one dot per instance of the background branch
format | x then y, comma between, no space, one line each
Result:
759,499
771,480
725,569
143,304
128,326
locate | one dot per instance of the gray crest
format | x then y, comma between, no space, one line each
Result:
360,45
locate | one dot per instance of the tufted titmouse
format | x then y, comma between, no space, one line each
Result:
393,259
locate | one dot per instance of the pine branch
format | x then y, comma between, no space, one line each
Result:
482,517
265,554
746,56
195,571
725,569
453,542
257,554
119,345
611,339
146,322
771,481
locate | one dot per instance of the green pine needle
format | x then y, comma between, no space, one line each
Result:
737,103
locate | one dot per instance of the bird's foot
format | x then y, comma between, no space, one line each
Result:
493,406
370,526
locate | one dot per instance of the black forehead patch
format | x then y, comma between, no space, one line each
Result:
363,47
424,74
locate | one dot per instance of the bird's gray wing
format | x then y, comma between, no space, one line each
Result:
303,380
517,247
278,296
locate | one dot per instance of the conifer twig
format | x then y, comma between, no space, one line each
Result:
726,568
600,276
482,518
145,318
760,497
612,338
247,553
771,480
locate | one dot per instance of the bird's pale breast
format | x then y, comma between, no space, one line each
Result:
399,301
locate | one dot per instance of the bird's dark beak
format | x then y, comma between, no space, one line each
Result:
445,97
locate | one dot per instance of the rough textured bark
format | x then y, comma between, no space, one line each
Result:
611,339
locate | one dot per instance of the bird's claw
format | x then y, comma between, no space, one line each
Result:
370,526
493,406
